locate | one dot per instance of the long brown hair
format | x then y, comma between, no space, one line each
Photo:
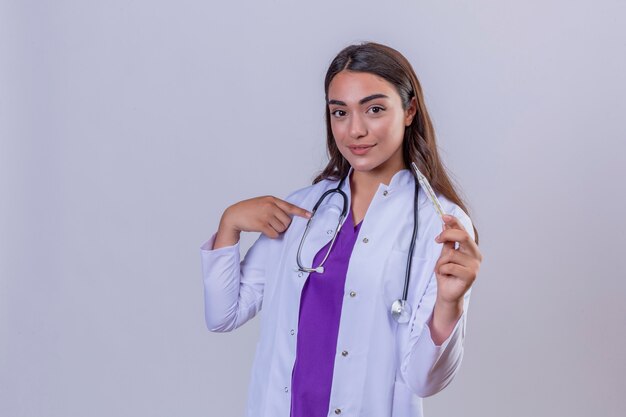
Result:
419,143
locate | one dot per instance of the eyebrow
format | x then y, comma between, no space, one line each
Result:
363,100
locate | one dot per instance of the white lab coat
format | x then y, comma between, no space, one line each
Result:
389,367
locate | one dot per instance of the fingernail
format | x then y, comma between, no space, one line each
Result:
437,238
447,217
308,214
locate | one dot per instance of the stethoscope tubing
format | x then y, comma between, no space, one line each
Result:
400,307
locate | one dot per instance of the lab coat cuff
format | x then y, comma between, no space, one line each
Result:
430,367
208,246
428,343
226,257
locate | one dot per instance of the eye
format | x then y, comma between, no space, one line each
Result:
379,108
335,111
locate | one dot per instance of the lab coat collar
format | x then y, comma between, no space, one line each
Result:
399,181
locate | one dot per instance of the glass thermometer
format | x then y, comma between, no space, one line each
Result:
431,194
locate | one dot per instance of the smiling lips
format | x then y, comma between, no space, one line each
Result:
360,149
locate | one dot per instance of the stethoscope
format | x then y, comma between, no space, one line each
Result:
400,309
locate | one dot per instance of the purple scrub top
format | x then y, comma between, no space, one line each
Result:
318,326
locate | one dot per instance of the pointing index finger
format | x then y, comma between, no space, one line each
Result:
293,209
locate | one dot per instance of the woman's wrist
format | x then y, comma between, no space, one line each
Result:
445,316
227,234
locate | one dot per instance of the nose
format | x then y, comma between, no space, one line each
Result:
357,127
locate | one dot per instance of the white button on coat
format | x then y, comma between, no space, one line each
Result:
392,366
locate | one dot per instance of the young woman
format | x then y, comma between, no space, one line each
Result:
365,303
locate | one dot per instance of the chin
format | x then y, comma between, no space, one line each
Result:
363,165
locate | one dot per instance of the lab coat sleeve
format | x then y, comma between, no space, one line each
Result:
427,369
231,297
233,289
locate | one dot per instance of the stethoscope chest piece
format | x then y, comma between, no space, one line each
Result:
401,311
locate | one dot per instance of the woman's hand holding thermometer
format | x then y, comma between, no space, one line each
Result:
456,269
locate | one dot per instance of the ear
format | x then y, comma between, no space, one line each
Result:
410,112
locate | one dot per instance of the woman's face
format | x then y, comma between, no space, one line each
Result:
368,121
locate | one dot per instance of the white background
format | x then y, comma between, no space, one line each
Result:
127,127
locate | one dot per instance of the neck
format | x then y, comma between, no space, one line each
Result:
368,181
